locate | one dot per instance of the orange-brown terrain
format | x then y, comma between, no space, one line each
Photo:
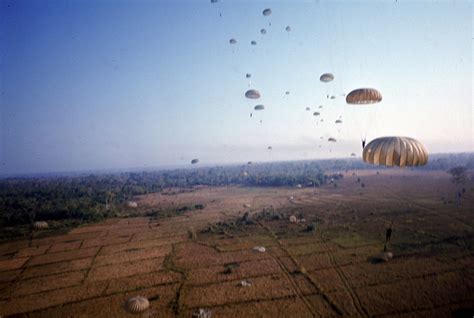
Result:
199,258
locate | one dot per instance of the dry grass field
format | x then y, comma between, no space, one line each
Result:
199,259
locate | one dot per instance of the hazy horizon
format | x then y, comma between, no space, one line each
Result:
96,85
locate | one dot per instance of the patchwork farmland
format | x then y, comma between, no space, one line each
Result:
326,264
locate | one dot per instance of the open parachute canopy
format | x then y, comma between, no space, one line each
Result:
288,28
364,96
326,77
267,12
395,151
330,139
233,41
253,42
270,148
263,31
308,109
248,75
194,161
316,114
259,107
338,121
252,94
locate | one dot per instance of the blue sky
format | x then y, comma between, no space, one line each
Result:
118,84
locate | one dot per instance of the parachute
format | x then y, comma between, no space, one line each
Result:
137,304
338,121
395,151
308,109
364,115
364,96
194,161
259,107
263,31
332,97
316,114
330,139
267,12
326,77
287,93
214,1
248,75
288,28
252,94
353,154
249,163
320,106
270,148
40,225
253,42
233,41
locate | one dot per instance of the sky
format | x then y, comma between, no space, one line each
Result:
90,85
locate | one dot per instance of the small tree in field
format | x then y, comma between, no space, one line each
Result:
459,178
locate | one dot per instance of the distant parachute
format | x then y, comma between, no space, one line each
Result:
308,109
214,1
353,154
333,97
316,114
330,139
288,28
259,107
320,106
233,41
252,94
248,75
270,148
253,42
338,121
263,31
364,96
40,225
194,161
138,304
249,163
267,12
395,151
326,77
287,93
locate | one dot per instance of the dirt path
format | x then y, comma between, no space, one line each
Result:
354,298
289,275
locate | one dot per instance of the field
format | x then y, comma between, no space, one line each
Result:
199,258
